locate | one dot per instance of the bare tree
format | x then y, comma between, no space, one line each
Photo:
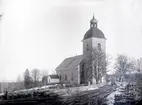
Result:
35,76
139,65
96,63
123,65
44,73
27,79
19,78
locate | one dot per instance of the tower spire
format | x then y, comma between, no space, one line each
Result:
93,16
93,22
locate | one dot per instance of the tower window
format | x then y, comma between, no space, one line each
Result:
87,47
99,46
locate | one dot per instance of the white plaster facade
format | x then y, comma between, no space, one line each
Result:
69,75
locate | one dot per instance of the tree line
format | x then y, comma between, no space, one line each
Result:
31,80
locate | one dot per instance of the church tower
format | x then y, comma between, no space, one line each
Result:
93,38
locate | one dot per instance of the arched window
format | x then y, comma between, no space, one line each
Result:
72,76
87,47
60,77
83,67
99,46
65,77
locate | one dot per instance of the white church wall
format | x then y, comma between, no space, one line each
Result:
104,79
87,43
95,42
69,72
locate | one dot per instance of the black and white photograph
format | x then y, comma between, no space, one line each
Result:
70,52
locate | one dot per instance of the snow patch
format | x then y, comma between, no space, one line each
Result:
111,97
92,88
119,89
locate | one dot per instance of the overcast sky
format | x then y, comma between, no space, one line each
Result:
42,33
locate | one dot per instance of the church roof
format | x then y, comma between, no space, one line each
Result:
70,62
54,76
94,32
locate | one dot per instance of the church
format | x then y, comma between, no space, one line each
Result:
71,70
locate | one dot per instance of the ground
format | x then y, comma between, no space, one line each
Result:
101,94
95,94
